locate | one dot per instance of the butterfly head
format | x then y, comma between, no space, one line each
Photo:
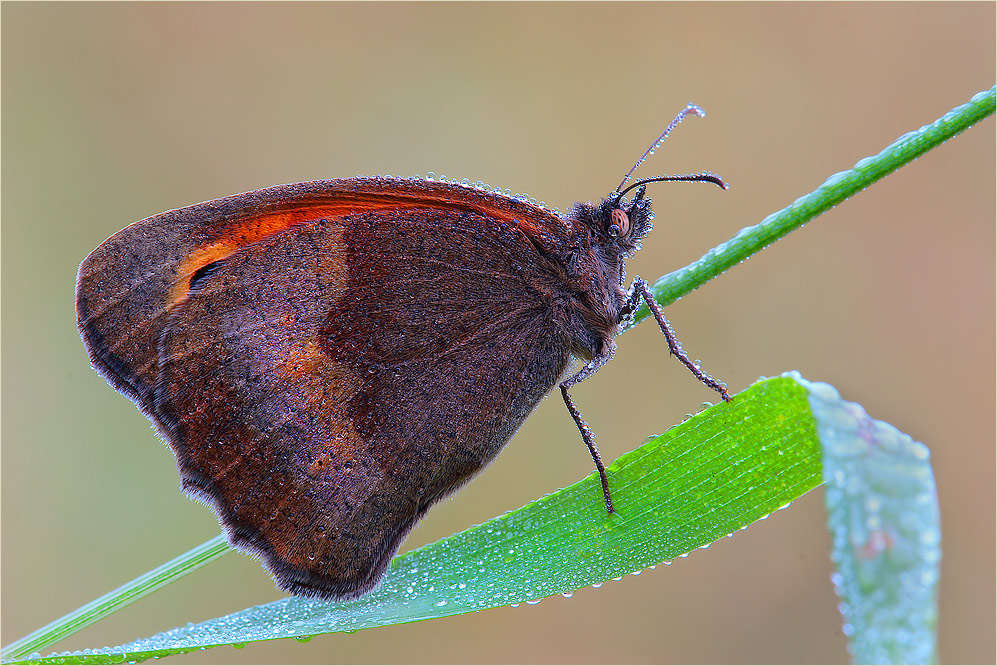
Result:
622,224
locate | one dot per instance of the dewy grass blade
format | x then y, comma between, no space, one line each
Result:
703,479
833,191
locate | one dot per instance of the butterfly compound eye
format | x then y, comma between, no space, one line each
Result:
620,225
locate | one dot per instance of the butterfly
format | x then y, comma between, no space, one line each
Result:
328,359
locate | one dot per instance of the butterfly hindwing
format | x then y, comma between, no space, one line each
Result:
324,386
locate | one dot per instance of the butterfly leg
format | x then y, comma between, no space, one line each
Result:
583,427
640,291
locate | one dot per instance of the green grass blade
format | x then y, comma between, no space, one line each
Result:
717,472
115,600
701,480
885,527
836,189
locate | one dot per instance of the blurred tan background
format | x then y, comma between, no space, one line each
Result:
113,112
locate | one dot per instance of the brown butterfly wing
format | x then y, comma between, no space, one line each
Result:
127,286
321,387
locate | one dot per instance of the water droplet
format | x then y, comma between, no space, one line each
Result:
441,603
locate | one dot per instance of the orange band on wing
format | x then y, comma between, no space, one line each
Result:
246,231
252,230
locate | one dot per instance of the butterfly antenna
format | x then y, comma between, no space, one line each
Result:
705,177
691,108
